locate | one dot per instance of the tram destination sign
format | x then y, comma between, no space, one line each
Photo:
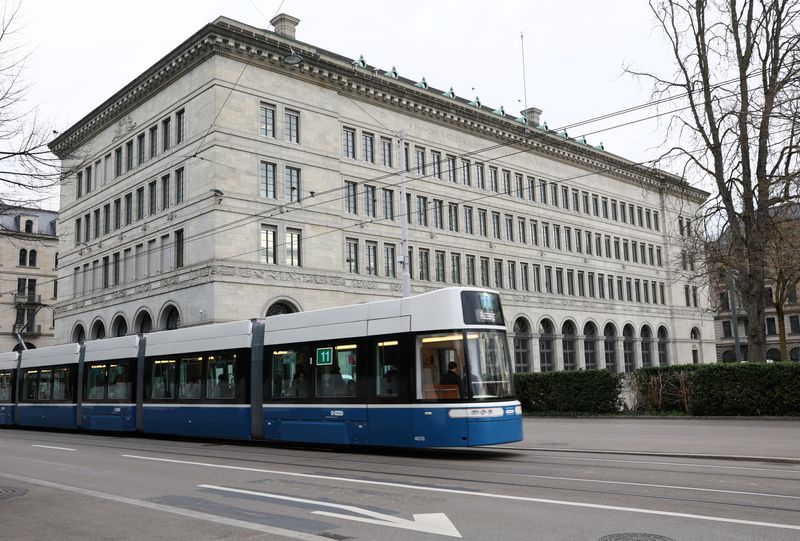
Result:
481,308
324,356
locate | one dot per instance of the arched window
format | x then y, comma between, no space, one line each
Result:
144,323
522,338
98,330
546,346
568,344
32,258
23,258
647,346
610,334
280,308
119,327
663,342
773,354
29,226
79,334
28,345
627,348
170,318
590,345
695,334
794,355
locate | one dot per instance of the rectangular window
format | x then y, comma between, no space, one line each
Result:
291,126
293,247
482,226
388,204
140,149
548,279
370,201
116,269
554,194
351,255
581,284
471,270
585,198
608,246
436,164
453,222
520,185
575,206
165,191
292,184
372,258
96,223
546,235
522,230
368,147
509,222
611,287
386,152
179,249
568,238
507,182
604,204
451,168
590,283
424,264
118,162
466,174
557,236
570,282
646,291
106,273
79,185
389,260
165,133
496,225
468,225
128,156
543,192
139,203
439,266
663,297
153,193
153,141
180,127
348,143
656,226
498,273
493,185
614,210
422,210
419,157
455,268
512,275
559,281
622,213
537,279
266,120
117,214
694,296
480,178
128,211
484,272
639,216
350,201
267,180
438,214
106,218
601,286
179,186
534,232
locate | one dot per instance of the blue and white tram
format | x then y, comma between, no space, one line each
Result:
8,376
431,370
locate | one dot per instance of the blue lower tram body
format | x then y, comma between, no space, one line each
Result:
418,425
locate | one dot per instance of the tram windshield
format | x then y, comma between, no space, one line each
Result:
463,366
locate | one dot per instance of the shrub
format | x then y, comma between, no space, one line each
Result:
747,389
582,391
667,388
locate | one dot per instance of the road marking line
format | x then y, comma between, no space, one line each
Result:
676,487
174,510
478,494
654,463
778,459
54,447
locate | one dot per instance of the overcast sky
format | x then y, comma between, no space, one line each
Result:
84,51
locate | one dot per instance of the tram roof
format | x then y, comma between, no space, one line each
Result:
64,354
8,359
110,349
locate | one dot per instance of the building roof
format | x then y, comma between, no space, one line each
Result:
11,220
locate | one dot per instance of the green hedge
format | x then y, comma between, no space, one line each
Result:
721,389
747,389
583,391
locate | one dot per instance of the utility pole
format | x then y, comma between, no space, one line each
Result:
403,259
734,318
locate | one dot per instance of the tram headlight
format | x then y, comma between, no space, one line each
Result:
518,410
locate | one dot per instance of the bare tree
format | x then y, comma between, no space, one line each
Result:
783,264
738,74
28,171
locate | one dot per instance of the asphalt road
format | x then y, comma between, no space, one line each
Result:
90,487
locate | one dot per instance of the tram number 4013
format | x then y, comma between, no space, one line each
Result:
419,438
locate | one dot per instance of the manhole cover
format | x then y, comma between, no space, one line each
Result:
634,537
8,492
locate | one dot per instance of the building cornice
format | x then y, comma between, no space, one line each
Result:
266,49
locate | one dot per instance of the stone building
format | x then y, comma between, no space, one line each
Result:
28,285
248,173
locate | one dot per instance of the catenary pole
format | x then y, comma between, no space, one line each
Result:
403,259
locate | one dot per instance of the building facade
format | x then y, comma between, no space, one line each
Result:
28,284
248,173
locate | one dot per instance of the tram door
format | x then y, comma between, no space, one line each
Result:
390,421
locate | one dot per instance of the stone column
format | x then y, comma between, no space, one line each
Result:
600,351
558,351
536,364
580,352
620,354
637,352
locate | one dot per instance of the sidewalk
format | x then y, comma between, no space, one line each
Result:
730,437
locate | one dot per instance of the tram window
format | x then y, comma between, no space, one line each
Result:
439,379
62,383
290,373
96,382
162,379
392,377
5,386
31,385
339,377
221,376
490,370
191,377
44,385
119,381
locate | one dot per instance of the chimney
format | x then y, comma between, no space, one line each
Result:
533,115
285,25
